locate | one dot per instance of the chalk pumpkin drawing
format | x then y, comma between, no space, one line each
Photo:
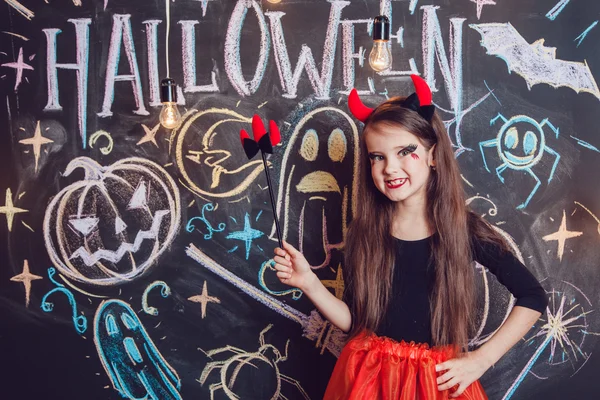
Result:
110,227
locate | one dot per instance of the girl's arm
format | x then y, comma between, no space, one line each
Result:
461,372
293,269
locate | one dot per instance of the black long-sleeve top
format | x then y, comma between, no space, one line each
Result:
409,318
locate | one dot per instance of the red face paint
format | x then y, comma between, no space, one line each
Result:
414,156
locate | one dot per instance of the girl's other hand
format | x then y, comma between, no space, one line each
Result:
292,267
459,373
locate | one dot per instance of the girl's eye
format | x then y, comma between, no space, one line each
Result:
375,157
405,152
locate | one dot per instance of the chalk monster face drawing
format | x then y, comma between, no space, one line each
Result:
110,227
317,186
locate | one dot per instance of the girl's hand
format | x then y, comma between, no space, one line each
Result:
292,267
461,372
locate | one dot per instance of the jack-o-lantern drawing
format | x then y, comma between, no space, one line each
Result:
110,227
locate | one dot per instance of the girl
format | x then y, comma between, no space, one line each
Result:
409,272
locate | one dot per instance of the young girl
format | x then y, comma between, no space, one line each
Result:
409,274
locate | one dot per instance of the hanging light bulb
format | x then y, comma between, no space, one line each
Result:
169,115
380,58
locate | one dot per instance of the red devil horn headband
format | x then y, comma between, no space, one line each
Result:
420,101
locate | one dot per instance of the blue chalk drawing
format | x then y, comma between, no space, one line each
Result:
80,321
580,38
134,365
190,226
247,235
165,291
586,144
529,134
557,9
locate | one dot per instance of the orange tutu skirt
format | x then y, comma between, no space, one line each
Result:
372,367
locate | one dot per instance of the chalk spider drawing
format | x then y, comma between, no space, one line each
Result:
526,131
264,359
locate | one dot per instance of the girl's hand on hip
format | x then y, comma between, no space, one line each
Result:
292,267
461,372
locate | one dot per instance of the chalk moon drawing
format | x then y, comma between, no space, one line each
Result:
110,227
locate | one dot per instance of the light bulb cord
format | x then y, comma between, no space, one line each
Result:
168,9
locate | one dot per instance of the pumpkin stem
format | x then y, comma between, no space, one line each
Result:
93,170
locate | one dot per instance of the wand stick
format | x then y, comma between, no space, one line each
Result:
277,227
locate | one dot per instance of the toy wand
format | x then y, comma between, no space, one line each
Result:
263,141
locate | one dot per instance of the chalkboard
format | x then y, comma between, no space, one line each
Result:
135,260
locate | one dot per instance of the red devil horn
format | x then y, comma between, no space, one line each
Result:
244,135
274,133
422,89
258,128
357,108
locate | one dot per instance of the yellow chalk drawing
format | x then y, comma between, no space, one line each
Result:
36,141
10,210
337,284
265,360
212,161
25,278
149,135
337,145
309,149
94,138
204,299
561,236
318,181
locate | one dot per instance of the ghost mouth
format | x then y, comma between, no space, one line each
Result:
395,183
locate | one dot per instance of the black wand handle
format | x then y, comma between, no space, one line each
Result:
269,184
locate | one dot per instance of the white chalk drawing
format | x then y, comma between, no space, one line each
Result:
265,360
18,66
110,227
535,62
481,3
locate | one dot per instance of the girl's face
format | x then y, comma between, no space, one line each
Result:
400,164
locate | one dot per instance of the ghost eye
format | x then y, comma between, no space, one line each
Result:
128,321
111,325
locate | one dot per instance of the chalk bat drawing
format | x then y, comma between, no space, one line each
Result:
204,155
110,227
315,327
262,363
520,145
134,365
535,62
80,321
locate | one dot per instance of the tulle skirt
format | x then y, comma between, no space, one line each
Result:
372,367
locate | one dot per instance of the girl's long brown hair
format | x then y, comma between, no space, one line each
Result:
369,254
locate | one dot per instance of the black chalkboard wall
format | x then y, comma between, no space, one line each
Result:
135,259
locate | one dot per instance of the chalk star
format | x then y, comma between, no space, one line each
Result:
10,210
19,66
561,236
337,284
37,140
150,135
26,277
204,299
481,3
247,235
